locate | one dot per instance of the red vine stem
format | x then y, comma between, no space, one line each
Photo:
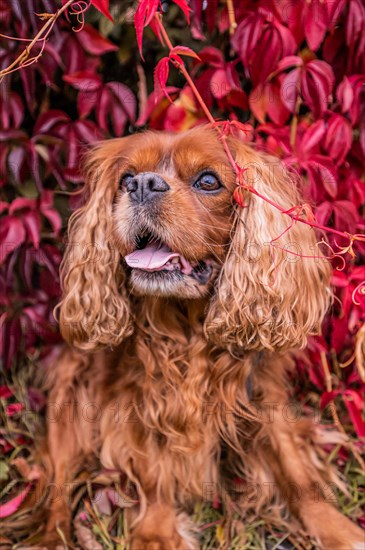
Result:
184,70
236,168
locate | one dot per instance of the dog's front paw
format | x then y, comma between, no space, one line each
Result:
347,536
333,530
163,529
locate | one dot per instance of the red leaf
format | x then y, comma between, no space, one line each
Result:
356,417
87,101
323,174
289,62
143,17
327,397
323,212
11,111
12,235
313,135
212,56
87,131
155,27
317,83
13,504
103,109
261,41
315,22
125,97
219,84
183,50
346,215
356,397
339,279
49,211
20,203
48,120
276,109
324,70
338,139
17,109
117,105
103,7
94,43
176,118
339,333
357,107
32,224
12,409
5,392
161,75
345,94
258,102
83,80
355,21
155,102
185,8
89,84
290,89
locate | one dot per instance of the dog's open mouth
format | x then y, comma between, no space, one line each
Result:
152,255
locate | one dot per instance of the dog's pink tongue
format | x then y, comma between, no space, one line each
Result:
155,257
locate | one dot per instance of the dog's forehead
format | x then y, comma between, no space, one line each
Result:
170,153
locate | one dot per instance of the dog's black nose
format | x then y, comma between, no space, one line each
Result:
145,187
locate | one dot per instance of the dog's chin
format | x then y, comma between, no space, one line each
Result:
170,284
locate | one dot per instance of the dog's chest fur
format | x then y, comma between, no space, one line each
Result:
179,383
166,392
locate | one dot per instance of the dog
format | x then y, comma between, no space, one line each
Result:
181,310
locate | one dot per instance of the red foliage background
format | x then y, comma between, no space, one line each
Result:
293,70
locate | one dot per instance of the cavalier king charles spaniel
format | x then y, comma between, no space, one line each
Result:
180,310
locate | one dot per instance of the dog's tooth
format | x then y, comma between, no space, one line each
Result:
174,260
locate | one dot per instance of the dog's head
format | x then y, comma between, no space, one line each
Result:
160,220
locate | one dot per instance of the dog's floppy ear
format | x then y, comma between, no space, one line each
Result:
94,310
267,297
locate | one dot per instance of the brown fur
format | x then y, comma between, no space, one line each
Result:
192,389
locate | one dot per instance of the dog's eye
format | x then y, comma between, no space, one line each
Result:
125,179
207,182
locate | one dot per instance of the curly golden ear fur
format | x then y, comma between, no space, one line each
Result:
269,296
94,311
